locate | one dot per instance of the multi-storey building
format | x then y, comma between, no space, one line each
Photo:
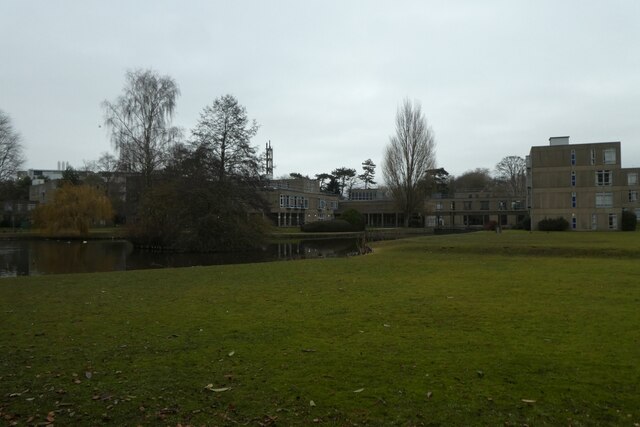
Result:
464,209
298,201
582,183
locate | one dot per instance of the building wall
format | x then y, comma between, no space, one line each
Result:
583,183
299,201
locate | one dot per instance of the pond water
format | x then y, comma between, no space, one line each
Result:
37,257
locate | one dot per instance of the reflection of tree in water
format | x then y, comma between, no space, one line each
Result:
51,256
46,257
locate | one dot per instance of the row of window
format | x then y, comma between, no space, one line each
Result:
612,221
605,178
484,205
608,156
362,195
301,202
605,199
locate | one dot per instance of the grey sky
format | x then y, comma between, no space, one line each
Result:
324,78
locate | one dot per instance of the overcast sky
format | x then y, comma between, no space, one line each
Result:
324,78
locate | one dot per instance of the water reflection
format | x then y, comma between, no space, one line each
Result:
37,257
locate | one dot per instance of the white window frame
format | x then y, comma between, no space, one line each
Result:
604,200
573,157
613,221
604,178
609,156
633,195
574,199
632,178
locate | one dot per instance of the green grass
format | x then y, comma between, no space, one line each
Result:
447,330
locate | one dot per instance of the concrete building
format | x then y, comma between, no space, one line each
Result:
464,209
299,201
583,183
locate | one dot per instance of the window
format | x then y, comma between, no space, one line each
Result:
613,222
633,196
306,203
283,200
453,206
632,178
334,205
322,204
502,205
574,223
574,199
467,206
594,221
604,178
516,204
593,156
638,214
438,206
573,157
604,200
573,178
609,156
484,205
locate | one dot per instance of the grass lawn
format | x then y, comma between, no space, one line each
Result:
478,329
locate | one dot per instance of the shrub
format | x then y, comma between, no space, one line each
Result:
524,223
491,225
333,226
353,217
553,224
629,221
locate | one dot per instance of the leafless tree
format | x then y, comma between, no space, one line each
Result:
11,155
408,157
511,171
223,134
140,121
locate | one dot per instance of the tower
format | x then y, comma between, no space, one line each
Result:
269,160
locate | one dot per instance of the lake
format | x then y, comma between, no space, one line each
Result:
38,257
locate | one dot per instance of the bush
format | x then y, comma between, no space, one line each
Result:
491,225
354,218
524,223
629,221
333,226
553,224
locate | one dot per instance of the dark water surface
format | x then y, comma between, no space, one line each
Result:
37,257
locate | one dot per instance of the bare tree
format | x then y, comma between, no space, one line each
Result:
474,179
140,121
11,156
223,134
512,170
408,157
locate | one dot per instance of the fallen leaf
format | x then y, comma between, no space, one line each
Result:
232,353
51,416
360,390
386,325
528,401
216,390
480,373
429,394
88,374
308,350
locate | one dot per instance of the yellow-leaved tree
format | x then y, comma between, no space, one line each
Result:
74,208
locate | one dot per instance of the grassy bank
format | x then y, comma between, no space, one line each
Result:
516,328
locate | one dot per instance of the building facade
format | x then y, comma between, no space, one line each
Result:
582,183
297,201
